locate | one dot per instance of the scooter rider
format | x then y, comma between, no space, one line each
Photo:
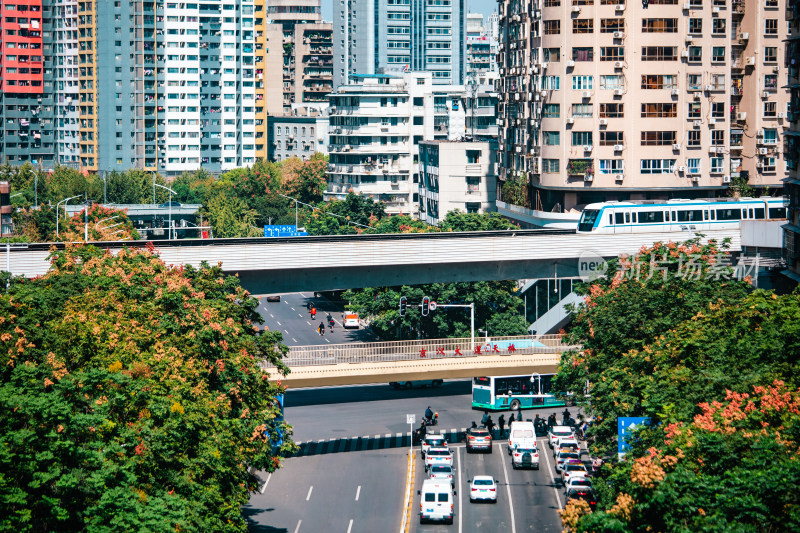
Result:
429,413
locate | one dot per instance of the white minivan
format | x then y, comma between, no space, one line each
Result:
436,501
521,434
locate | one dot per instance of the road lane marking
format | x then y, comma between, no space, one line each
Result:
308,322
294,340
303,294
458,459
508,489
265,484
552,478
298,526
279,323
328,341
358,491
271,315
293,309
287,331
349,527
308,496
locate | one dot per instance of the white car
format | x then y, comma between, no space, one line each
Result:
565,444
483,488
437,457
557,432
442,473
576,482
433,441
564,457
351,321
572,469
525,457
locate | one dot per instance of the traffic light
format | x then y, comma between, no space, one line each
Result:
403,305
426,305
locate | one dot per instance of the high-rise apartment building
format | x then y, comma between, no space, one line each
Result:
26,86
373,36
376,124
608,100
791,62
165,86
481,48
294,60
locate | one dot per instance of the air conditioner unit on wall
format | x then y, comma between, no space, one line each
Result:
570,120
681,169
726,179
617,92
619,147
675,92
618,64
676,146
618,35
587,148
762,151
586,94
619,177
603,122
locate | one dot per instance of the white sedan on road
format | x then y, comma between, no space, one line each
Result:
483,488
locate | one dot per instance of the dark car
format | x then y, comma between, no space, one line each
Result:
583,494
478,439
171,204
274,298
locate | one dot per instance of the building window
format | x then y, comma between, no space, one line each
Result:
718,110
611,111
693,138
657,166
552,3
551,83
581,138
552,54
695,53
693,165
582,83
582,110
583,26
694,82
717,54
658,138
583,53
770,136
696,26
612,82
718,82
659,25
612,25
612,53
659,81
770,82
717,165
770,54
473,157
659,110
771,27
717,137
552,27
612,166
551,111
610,138
550,166
770,109
718,26
551,138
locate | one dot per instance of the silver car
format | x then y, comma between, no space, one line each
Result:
442,473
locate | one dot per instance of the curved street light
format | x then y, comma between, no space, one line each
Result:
65,209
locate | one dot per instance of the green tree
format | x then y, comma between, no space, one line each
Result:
230,216
515,190
345,217
459,221
305,180
132,397
640,298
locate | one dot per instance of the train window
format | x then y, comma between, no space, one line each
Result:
619,218
777,212
633,217
760,213
666,216
649,217
610,219
690,216
729,214
627,218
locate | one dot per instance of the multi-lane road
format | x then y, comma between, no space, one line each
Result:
291,317
351,473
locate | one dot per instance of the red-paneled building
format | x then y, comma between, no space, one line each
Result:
21,54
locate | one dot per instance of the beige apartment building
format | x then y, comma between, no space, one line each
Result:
606,100
294,60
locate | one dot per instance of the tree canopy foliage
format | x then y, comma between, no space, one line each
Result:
673,335
132,396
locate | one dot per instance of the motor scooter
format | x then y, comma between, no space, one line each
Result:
431,421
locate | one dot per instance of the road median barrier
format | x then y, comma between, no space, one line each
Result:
409,500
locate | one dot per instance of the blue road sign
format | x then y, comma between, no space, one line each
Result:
626,425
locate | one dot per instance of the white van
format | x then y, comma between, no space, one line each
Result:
521,434
436,501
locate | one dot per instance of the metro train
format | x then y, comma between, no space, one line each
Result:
678,215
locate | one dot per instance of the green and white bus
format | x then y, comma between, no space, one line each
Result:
512,392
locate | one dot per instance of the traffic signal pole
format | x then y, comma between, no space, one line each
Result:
427,306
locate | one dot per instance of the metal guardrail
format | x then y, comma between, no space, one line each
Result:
387,352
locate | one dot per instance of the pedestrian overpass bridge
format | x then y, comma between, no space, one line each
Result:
292,264
383,362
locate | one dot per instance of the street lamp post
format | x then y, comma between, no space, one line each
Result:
104,189
64,201
171,192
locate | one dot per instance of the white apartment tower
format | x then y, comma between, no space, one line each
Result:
604,99
376,124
